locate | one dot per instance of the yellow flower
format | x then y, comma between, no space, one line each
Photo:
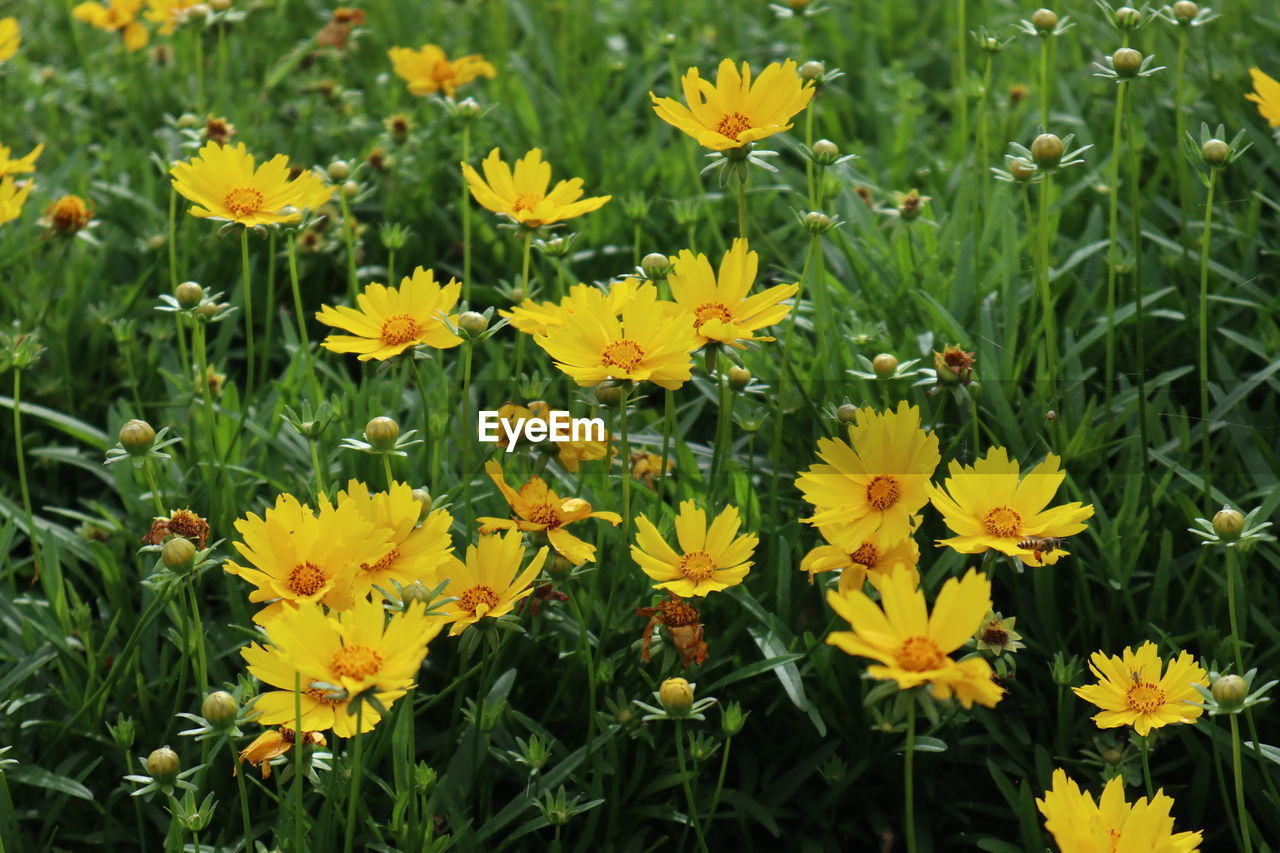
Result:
12,166
734,112
490,582
169,13
392,320
357,650
866,562
538,318
68,215
522,194
870,488
427,70
10,38
222,183
648,467
711,559
989,507
417,550
1132,692
115,16
646,343
1078,825
12,198
298,557
722,310
538,508
274,743
1266,94
913,647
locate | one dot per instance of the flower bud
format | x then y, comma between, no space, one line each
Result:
739,377
137,436
798,5
847,413
198,12
423,497
1047,150
608,395
1185,11
189,294
220,709
1230,690
816,222
468,108
1044,20
656,265
1128,18
339,170
884,365
207,310
1112,756
178,554
163,765
559,566
1022,169
812,70
1215,152
732,719
473,322
676,696
350,189
1228,523
189,120
382,433
825,152
416,591
1127,62
219,5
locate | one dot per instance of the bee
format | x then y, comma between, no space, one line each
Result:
1040,545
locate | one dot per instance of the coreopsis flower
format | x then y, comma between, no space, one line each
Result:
222,183
391,320
710,559
67,216
180,522
170,14
12,198
337,30
537,508
735,111
1131,691
538,318
914,647
953,365
296,557
10,38
683,625
271,744
870,488
645,343
337,657
1266,94
1079,825
10,165
572,453
217,129
522,194
490,582
723,311
417,550
428,70
989,507
864,563
115,16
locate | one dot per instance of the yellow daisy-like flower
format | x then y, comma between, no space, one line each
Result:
538,508
721,308
115,16
646,343
10,165
648,467
538,318
274,743
10,38
914,647
866,562
68,215
490,582
1266,94
522,194
12,198
988,506
357,650
392,320
417,550
734,111
1078,825
711,559
296,557
222,183
170,13
428,70
1132,692
870,488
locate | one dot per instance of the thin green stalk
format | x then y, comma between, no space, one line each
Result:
248,317
32,536
1146,765
269,310
808,160
468,347
155,490
1046,297
983,170
1044,81
1135,211
464,210
199,39
201,662
668,424
789,336
386,469
688,789
1239,780
724,766
1180,132
349,238
298,740
246,823
202,362
1232,581
724,421
742,206
585,639
908,776
357,771
524,278
301,316
962,62
1113,252
1204,332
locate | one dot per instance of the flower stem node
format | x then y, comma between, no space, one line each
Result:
884,365
163,764
220,707
1047,150
382,433
178,554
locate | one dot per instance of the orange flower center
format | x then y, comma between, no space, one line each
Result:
307,579
712,311
382,565
1144,697
242,201
470,600
697,566
443,71
732,124
545,514
358,662
322,696
920,654
1002,521
866,555
400,329
883,492
526,201
995,635
625,354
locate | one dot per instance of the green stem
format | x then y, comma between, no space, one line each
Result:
1146,765
668,424
962,42
1052,367
688,788
246,824
303,341
32,536
199,38
1204,332
808,161
1113,252
151,482
908,776
1232,581
1239,780
984,171
1135,238
1044,81
298,763
201,662
468,348
386,469
357,771
742,205
464,210
248,316
269,309
723,435
349,238
724,766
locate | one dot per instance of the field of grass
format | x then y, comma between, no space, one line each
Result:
1051,236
